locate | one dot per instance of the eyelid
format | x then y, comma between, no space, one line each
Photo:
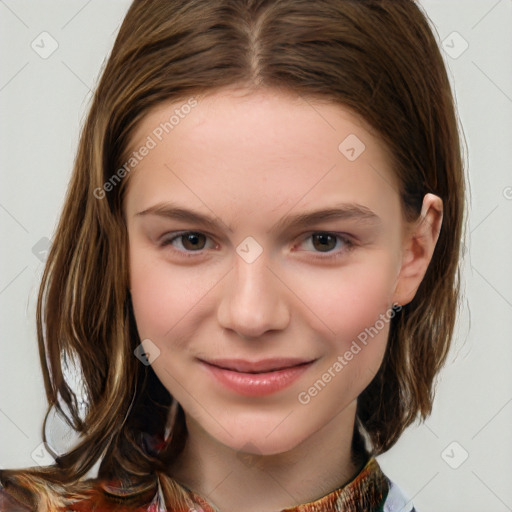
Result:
342,235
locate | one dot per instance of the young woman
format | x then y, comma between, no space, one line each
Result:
256,267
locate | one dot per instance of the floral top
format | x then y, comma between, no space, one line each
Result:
369,491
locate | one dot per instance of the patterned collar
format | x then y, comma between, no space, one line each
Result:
367,491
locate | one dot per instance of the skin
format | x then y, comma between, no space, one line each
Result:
249,159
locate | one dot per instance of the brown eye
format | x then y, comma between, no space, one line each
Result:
187,241
193,241
325,246
324,242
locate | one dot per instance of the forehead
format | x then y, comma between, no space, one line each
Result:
260,148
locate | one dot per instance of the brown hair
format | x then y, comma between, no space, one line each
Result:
376,57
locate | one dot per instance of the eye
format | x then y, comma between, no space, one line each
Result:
189,242
324,242
186,241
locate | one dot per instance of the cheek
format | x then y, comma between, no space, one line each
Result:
160,296
365,297
352,355
345,301
352,313
169,301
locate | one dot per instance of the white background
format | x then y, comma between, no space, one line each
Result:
43,103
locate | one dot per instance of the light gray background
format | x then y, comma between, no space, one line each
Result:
43,102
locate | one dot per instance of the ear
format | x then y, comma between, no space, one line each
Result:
419,243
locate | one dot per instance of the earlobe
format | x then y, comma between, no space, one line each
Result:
419,245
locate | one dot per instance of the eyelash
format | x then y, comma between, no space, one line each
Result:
347,241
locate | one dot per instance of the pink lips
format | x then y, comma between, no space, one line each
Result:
257,378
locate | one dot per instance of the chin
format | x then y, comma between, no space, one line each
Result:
261,436
258,444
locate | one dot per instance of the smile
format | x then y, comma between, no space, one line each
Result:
257,378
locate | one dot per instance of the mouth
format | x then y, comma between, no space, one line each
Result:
256,378
256,367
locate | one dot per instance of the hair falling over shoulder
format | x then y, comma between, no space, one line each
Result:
369,56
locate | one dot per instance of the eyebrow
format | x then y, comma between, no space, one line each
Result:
344,211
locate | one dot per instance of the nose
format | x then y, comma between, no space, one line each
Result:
254,300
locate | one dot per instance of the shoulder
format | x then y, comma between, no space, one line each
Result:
396,500
108,495
15,499
89,495
10,504
391,497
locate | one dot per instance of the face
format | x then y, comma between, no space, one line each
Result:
265,244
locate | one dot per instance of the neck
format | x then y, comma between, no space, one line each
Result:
233,481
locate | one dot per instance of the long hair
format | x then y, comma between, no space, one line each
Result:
378,58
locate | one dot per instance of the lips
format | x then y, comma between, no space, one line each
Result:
256,378
262,366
